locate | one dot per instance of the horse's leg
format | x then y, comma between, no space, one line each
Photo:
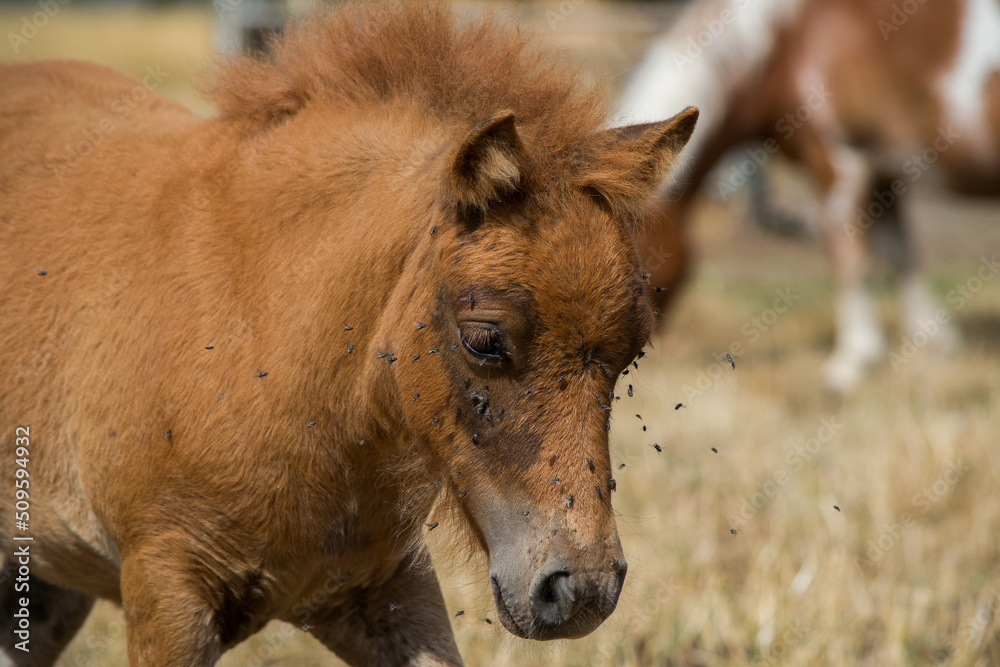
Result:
55,616
921,311
859,340
765,214
402,622
169,621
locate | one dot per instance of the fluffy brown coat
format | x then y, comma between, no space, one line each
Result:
399,263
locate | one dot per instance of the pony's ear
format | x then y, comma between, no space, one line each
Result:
487,164
638,160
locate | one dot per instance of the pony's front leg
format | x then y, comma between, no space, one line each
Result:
168,623
401,622
859,341
179,611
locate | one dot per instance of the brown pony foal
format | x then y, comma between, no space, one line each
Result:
248,355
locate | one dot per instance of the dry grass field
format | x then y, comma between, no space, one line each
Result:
906,572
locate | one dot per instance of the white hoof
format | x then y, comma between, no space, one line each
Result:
845,369
843,375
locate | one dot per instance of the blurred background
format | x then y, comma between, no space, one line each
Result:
867,526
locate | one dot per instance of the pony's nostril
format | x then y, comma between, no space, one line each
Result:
555,586
564,603
554,599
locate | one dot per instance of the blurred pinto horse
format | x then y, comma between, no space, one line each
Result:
866,95
253,353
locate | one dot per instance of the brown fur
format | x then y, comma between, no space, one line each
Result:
378,170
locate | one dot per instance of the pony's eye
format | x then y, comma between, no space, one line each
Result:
483,340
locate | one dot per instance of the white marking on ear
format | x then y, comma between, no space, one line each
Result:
963,87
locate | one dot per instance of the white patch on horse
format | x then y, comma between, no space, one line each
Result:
852,176
710,49
859,340
963,87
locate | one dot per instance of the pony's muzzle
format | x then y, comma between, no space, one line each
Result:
562,603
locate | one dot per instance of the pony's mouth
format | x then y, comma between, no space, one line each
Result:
504,613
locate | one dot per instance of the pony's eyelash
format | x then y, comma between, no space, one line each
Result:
483,341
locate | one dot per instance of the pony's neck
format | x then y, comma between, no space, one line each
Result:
339,226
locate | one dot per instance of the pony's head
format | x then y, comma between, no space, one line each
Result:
534,304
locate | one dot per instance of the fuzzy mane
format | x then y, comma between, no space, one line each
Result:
360,55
